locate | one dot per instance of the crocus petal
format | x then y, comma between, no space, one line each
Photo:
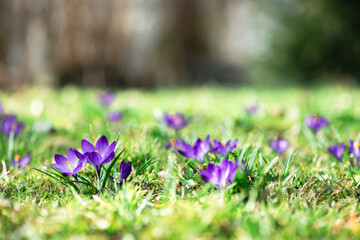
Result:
208,141
207,176
62,168
78,154
233,145
95,160
87,146
67,174
101,145
71,157
220,180
78,168
59,159
186,147
83,158
110,149
186,154
109,158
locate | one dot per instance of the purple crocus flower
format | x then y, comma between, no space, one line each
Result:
176,120
316,122
69,165
354,148
337,151
115,116
125,169
220,174
99,154
107,98
198,151
11,125
280,145
223,148
252,110
20,162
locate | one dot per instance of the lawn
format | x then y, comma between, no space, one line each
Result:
302,193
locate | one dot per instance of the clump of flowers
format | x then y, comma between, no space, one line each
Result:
316,122
220,174
19,162
337,151
176,121
97,156
280,145
107,98
217,174
200,148
11,128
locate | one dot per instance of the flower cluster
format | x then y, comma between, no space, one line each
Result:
200,148
214,156
97,156
338,151
216,174
354,151
11,128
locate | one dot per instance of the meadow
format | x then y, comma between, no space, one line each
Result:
303,192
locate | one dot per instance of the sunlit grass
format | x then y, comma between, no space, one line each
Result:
304,193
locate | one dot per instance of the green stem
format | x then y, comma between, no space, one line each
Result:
11,146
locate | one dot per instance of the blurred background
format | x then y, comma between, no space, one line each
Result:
152,43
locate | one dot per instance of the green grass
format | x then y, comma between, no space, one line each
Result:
295,196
